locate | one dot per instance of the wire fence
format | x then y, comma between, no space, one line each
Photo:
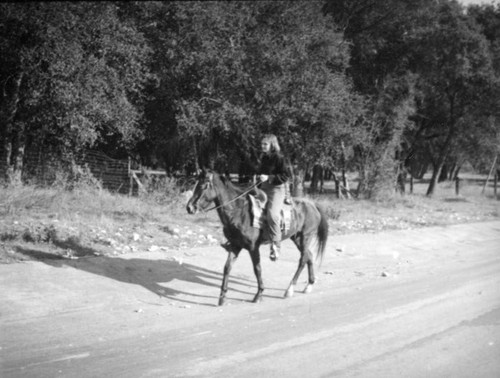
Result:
114,174
44,167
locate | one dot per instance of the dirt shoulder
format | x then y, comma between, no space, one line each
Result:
39,238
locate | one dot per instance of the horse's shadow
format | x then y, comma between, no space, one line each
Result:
156,276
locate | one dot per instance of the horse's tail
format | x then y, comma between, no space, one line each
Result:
322,233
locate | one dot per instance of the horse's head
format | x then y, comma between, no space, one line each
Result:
203,193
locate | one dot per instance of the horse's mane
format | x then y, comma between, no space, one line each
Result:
240,214
230,185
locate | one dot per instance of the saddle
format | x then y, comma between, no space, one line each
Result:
258,201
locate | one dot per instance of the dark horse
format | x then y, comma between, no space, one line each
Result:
309,227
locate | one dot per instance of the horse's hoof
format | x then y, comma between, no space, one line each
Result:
289,293
308,289
222,301
227,246
257,299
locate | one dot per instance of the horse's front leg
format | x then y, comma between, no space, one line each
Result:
231,258
255,256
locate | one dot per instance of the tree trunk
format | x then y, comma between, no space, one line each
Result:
343,164
443,175
434,180
362,182
362,175
16,168
7,113
455,172
495,185
440,161
420,170
317,177
452,171
17,156
493,167
338,191
298,183
401,179
196,156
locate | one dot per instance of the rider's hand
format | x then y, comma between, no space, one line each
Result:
263,178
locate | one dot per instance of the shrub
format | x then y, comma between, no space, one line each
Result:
76,177
161,190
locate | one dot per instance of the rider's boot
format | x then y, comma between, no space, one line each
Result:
288,196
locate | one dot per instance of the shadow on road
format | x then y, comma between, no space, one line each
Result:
156,276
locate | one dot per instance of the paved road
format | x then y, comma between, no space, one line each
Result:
414,303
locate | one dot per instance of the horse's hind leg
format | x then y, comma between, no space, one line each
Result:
299,242
305,258
312,278
255,256
231,257
310,266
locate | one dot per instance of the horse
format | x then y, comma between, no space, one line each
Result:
309,226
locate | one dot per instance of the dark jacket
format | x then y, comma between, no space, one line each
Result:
274,165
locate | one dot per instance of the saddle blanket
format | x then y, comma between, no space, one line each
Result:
258,210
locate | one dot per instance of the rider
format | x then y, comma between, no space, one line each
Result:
274,176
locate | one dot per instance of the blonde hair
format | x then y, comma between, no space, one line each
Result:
273,142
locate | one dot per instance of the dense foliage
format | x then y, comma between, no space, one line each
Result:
383,88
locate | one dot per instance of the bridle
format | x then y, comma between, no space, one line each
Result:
231,200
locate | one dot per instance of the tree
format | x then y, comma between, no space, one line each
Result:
481,144
456,81
430,60
73,76
298,62
235,70
380,34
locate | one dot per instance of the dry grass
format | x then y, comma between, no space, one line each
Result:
90,204
415,210
89,221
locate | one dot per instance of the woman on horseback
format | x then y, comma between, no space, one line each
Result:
274,176
308,228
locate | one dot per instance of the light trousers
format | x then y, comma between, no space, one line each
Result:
275,199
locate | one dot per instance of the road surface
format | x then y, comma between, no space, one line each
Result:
412,303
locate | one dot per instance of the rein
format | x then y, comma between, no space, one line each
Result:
234,199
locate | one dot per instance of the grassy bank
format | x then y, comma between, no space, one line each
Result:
40,223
